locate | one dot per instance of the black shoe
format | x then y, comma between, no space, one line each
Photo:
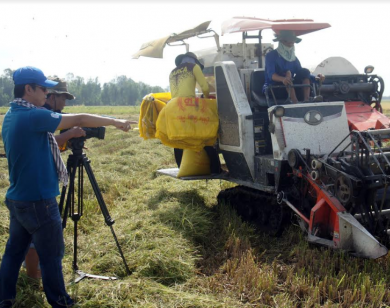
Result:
7,303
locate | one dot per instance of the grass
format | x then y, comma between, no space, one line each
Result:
184,249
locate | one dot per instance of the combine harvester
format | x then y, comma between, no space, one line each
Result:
326,161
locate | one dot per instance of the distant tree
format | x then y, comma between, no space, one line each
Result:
121,91
90,93
75,87
69,77
107,94
6,87
8,73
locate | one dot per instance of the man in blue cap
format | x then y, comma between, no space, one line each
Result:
55,101
35,168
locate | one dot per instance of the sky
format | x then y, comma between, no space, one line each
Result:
97,38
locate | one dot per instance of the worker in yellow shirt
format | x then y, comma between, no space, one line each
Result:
184,77
182,82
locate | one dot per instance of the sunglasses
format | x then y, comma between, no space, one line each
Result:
44,89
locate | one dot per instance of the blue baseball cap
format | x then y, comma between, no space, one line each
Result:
29,74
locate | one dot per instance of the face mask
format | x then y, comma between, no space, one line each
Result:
287,53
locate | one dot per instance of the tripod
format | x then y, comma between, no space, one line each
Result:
78,161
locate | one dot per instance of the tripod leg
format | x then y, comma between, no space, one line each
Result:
62,199
107,218
75,267
103,207
72,164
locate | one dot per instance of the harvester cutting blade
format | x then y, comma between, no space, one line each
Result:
356,239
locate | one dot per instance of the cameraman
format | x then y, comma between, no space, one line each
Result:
55,101
35,168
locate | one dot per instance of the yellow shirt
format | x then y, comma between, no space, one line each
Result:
183,79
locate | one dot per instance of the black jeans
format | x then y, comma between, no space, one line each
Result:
39,221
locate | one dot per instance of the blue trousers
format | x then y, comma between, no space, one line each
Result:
39,222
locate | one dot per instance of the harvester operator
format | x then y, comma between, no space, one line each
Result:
282,67
35,169
182,83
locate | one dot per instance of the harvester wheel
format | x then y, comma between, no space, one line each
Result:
276,220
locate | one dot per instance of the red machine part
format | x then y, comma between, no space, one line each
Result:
299,26
323,216
363,117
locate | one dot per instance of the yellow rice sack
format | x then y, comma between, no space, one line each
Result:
189,117
151,106
194,163
188,123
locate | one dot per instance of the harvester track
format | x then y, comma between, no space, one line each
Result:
257,207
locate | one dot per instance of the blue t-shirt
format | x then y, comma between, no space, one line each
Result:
32,172
274,63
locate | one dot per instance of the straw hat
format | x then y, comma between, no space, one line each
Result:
287,35
60,88
179,58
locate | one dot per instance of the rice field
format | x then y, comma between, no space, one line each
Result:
184,249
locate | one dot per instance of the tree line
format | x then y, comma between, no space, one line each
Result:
121,91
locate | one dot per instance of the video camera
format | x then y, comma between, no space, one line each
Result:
90,132
94,132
